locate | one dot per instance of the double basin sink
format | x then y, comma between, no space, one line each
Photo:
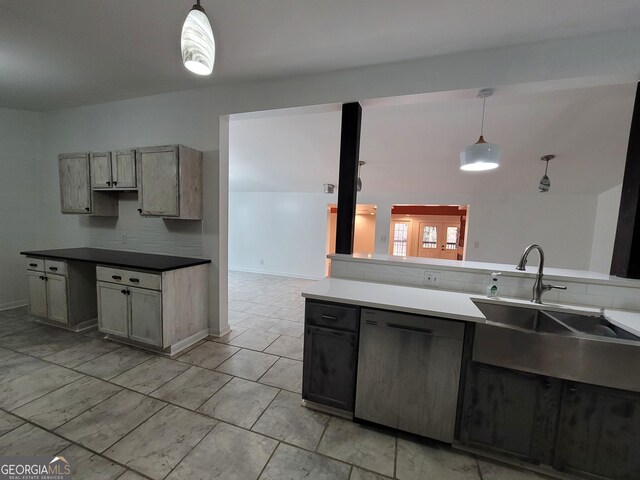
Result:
556,342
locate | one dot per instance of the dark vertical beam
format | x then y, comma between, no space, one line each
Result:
347,190
626,249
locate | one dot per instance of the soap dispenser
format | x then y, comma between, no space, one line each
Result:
492,288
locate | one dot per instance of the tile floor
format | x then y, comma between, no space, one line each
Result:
228,408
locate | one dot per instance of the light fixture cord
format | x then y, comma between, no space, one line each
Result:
546,167
484,99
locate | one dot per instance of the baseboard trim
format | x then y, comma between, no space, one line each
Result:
279,274
12,305
219,333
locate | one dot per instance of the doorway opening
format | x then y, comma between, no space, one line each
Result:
428,231
364,236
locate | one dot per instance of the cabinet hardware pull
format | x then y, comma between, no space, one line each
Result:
328,317
410,329
116,277
33,264
53,269
139,210
572,389
87,209
109,184
41,277
46,279
124,292
134,280
115,183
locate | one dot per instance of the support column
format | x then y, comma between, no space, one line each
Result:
347,190
626,250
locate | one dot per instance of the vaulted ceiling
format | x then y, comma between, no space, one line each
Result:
413,146
62,53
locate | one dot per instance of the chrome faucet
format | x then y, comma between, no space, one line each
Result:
539,287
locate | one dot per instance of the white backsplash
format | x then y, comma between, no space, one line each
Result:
131,231
584,292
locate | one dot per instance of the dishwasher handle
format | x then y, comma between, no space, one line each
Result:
408,328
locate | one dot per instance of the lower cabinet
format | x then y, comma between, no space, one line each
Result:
330,354
48,296
577,428
130,312
510,412
165,311
599,432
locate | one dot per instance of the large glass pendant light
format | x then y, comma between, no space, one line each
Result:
481,155
197,43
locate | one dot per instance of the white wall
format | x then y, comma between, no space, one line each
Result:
193,118
278,233
20,142
604,229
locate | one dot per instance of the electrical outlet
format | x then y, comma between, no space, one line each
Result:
431,278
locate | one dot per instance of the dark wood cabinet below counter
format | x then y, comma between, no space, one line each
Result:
330,354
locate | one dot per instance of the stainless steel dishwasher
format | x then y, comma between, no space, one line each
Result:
409,372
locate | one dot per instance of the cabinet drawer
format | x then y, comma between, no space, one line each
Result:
332,315
55,266
131,278
36,264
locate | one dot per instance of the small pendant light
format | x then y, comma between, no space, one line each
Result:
545,183
359,181
481,155
197,43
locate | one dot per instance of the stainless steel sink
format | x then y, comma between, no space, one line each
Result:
564,344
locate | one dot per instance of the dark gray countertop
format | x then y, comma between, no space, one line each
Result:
119,258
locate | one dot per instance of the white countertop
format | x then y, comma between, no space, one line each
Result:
441,303
484,267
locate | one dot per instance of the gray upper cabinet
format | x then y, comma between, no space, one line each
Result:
170,182
75,186
123,169
100,170
113,170
76,194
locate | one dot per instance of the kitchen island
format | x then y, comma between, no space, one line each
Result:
158,302
549,423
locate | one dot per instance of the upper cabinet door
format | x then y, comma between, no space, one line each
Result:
75,184
159,181
100,170
124,169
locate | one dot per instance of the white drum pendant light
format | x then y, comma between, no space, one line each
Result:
481,155
197,43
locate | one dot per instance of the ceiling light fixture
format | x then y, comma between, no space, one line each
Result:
359,182
545,183
197,43
481,155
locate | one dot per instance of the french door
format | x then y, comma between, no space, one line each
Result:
438,240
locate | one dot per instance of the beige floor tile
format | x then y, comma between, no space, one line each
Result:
85,465
159,444
63,404
361,446
192,388
257,322
114,363
150,375
31,440
248,364
285,373
226,453
287,420
289,347
418,461
208,355
286,327
82,353
254,339
106,423
240,402
291,463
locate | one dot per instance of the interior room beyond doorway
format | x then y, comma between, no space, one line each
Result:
429,231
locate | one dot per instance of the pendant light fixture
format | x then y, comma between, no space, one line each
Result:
197,43
545,183
481,155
